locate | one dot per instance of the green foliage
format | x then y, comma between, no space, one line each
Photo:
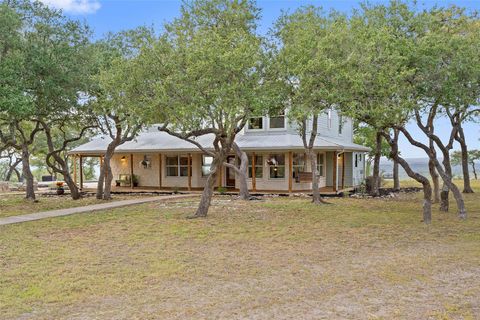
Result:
206,71
311,60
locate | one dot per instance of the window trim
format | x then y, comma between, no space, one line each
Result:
340,124
257,166
248,129
277,116
179,166
303,166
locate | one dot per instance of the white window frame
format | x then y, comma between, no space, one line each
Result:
284,123
340,124
329,118
178,165
248,129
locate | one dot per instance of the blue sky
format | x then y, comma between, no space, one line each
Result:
115,15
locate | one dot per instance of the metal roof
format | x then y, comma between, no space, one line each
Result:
162,142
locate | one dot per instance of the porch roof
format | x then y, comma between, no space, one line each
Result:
162,142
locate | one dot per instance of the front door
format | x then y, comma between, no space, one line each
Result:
230,173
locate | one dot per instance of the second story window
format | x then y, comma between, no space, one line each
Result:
278,122
340,124
329,120
255,123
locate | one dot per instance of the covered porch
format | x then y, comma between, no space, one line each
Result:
154,172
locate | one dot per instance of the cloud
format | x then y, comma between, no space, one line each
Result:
74,6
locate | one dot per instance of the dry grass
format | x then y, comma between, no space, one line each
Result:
16,204
281,258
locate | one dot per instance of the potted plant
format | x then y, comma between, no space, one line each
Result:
60,189
135,181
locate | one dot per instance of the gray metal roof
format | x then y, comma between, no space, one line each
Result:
163,142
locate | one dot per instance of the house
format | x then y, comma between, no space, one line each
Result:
277,159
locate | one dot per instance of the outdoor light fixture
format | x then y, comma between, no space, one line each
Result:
124,158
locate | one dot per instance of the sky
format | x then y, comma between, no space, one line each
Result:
114,15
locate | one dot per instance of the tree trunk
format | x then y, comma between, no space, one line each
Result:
13,168
376,166
474,170
444,201
467,188
74,191
396,178
207,193
101,183
108,176
427,189
242,172
27,173
435,181
315,190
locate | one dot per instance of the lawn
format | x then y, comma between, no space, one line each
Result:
278,258
16,204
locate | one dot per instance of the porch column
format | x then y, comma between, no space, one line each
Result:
81,172
334,171
343,170
160,170
290,173
131,170
254,177
75,169
189,171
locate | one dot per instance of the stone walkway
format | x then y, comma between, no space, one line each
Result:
90,208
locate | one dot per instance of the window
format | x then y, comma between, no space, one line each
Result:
278,122
298,164
258,166
340,124
177,166
172,166
329,116
321,164
276,163
206,164
255,123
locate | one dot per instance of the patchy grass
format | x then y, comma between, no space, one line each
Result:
280,258
16,204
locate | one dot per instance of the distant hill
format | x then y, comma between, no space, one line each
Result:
420,165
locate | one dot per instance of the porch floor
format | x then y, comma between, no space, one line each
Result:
323,190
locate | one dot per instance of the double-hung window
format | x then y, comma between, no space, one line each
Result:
298,164
278,121
321,164
276,163
258,166
255,123
177,166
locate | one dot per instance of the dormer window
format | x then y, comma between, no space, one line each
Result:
255,123
278,122
340,124
329,115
